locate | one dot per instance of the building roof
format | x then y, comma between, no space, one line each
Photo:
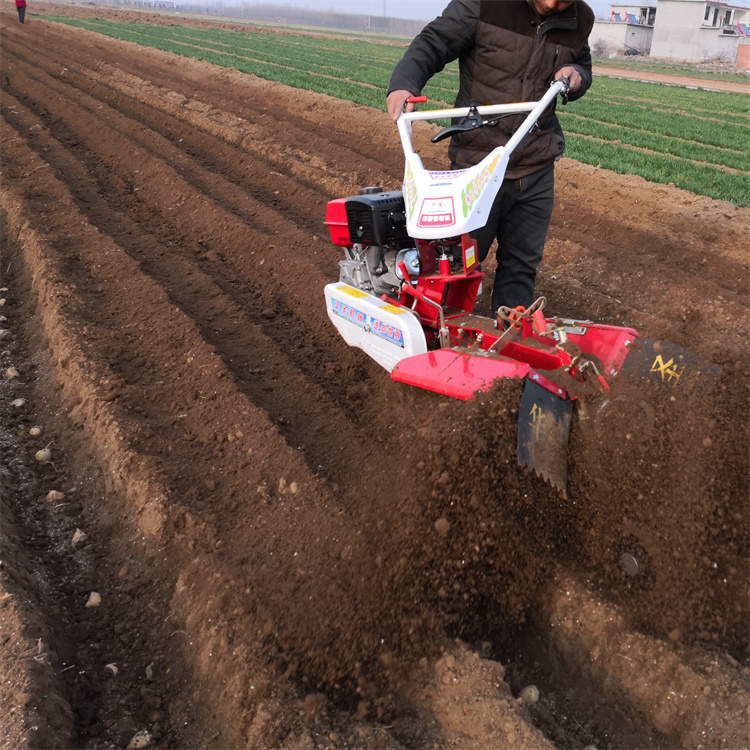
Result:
710,2
727,5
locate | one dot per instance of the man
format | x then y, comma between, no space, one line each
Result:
508,51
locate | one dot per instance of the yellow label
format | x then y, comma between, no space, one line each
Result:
352,292
667,370
392,309
538,418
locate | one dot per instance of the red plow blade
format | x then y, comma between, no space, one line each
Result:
456,374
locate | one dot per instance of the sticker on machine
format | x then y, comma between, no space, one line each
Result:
348,312
437,212
451,175
390,333
470,255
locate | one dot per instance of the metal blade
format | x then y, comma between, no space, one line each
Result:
543,430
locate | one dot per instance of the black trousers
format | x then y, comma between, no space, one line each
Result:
21,13
519,219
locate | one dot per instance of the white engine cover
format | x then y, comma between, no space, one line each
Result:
383,331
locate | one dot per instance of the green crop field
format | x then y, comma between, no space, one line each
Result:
696,139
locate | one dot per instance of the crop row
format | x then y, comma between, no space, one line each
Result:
708,116
304,53
703,180
699,130
674,146
676,98
300,64
631,127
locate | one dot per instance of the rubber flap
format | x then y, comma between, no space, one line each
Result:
543,430
456,374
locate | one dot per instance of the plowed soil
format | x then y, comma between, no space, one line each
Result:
290,549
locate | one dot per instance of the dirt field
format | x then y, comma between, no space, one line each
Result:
260,501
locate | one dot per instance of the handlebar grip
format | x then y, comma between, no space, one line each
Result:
416,99
566,88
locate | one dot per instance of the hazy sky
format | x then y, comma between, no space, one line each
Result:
421,9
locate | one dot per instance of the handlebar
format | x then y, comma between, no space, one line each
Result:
534,110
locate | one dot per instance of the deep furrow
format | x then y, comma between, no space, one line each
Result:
252,175
203,430
240,289
301,134
256,361
133,131
190,215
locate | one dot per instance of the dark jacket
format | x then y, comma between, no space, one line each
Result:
506,53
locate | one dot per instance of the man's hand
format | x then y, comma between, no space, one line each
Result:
396,101
571,74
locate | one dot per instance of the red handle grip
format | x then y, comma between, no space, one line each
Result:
416,99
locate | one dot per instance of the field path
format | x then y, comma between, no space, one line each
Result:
673,79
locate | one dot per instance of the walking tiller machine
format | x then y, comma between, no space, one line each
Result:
408,286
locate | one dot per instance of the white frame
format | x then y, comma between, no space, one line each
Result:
450,203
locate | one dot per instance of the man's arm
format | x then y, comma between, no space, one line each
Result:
439,43
578,73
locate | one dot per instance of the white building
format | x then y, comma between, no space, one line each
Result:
699,30
627,31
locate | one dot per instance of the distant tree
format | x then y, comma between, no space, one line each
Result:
599,48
